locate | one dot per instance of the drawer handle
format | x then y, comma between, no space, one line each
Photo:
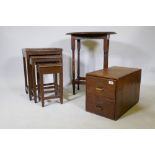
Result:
99,107
99,89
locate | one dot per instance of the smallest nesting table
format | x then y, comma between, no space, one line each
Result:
77,36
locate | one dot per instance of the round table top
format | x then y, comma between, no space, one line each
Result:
90,34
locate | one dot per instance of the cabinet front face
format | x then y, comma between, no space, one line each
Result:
100,96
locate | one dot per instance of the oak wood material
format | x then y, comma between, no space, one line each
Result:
52,68
90,35
27,53
25,74
73,62
78,59
34,60
111,92
78,36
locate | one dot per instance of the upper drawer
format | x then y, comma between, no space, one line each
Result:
101,86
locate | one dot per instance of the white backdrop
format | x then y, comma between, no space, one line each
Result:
131,47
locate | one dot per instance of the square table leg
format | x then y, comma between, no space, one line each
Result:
73,63
25,75
34,82
61,86
29,78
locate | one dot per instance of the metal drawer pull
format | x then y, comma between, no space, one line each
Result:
99,89
99,107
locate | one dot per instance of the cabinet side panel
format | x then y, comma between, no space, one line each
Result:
90,94
127,93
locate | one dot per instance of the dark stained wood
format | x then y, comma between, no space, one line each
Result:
25,75
50,68
114,72
51,97
79,82
82,78
111,92
49,58
97,35
77,36
41,88
73,62
61,85
33,80
47,84
27,53
78,59
106,53
34,60
55,77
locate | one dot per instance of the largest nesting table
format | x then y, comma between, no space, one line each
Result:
78,36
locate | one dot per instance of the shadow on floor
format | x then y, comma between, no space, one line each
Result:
135,109
68,94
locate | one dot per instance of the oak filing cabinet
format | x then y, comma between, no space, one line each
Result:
111,92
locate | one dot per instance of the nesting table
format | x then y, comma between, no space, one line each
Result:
78,36
27,54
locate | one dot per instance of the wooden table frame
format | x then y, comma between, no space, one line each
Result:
55,69
34,60
27,53
78,36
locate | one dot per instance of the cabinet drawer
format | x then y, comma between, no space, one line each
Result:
101,87
104,107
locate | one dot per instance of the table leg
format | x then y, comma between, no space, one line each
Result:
61,86
55,84
25,74
42,88
106,52
34,83
38,84
29,78
78,62
73,63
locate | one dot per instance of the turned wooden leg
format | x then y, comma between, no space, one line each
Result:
73,63
25,74
106,52
78,62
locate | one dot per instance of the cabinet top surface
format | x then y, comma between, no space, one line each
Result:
113,72
90,34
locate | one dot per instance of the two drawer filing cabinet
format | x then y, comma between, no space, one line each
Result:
113,91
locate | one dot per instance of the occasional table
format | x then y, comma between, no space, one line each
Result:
78,36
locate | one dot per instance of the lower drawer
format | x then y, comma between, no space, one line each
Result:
104,107
101,106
